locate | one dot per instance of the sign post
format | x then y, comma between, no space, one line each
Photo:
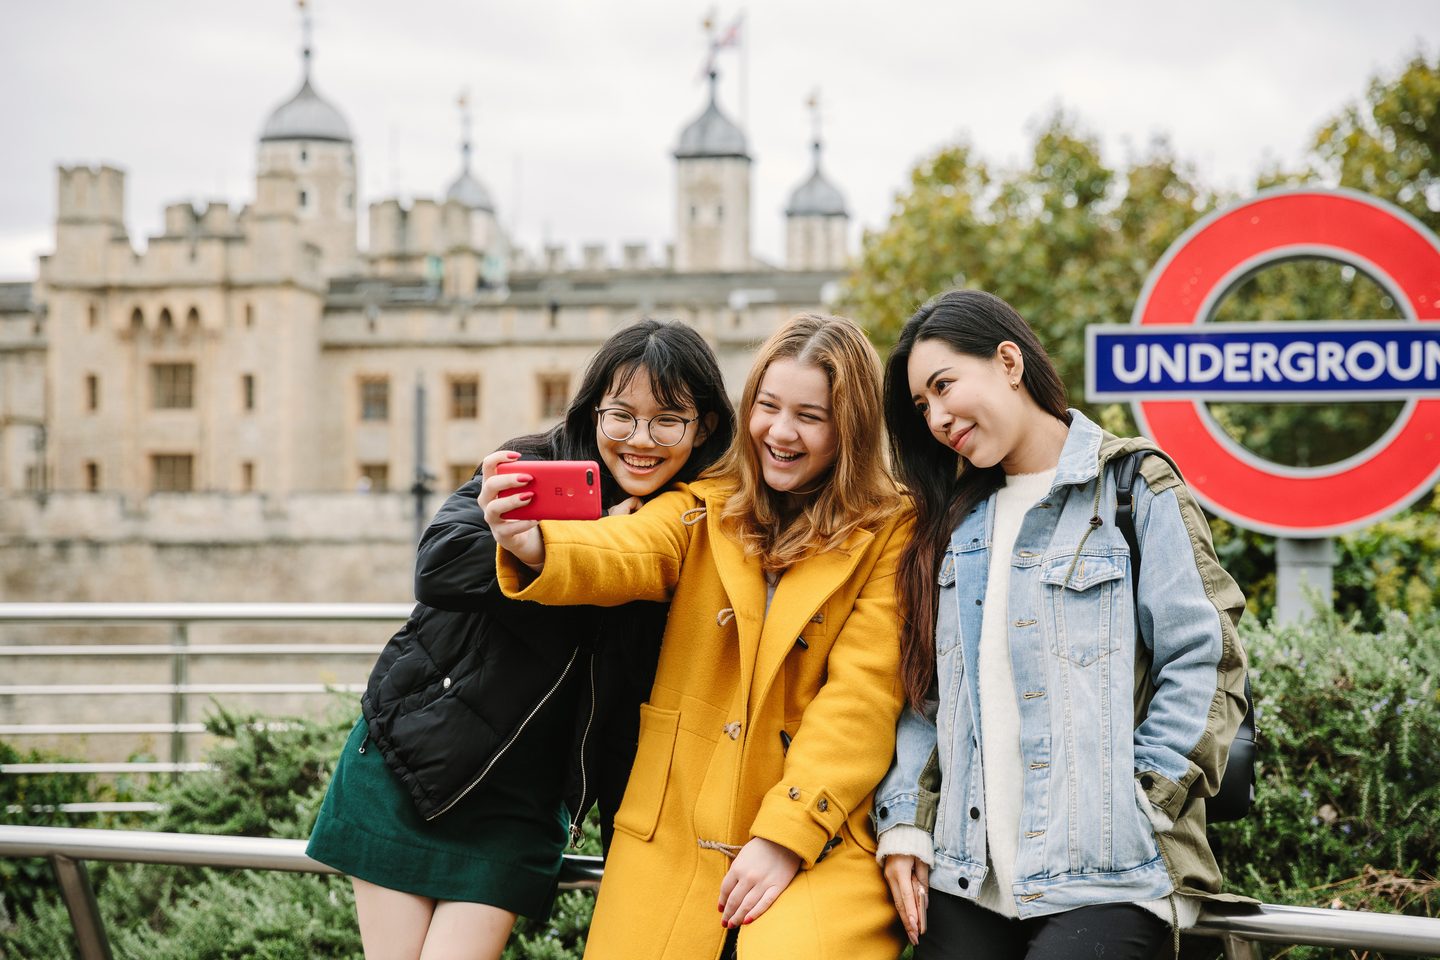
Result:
1171,360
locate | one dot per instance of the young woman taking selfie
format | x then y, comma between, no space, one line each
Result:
490,726
1064,725
773,712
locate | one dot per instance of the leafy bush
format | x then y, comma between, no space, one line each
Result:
1348,801
269,780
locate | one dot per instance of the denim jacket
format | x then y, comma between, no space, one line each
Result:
1098,708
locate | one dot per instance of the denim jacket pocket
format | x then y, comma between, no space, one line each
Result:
1081,606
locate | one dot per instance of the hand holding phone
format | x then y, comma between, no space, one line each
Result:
561,489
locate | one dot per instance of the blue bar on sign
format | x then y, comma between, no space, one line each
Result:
1252,361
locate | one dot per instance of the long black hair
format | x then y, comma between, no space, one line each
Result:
943,485
682,371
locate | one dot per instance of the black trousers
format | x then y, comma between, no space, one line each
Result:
957,928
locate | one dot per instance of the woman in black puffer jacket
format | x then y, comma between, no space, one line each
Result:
491,725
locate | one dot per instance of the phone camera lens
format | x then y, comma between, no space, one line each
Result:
590,478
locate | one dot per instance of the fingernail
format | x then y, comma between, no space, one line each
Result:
527,497
524,478
512,455
749,919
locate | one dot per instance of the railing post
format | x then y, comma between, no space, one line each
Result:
179,676
74,879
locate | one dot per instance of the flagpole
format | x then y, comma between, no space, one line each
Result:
744,75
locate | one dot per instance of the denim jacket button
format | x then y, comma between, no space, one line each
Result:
1146,782
974,813
884,812
977,602
964,883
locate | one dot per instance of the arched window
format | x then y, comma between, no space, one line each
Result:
93,316
304,199
192,319
167,322
137,319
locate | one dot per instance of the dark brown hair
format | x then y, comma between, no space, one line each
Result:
942,484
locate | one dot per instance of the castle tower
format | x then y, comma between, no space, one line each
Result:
475,250
816,222
712,194
306,171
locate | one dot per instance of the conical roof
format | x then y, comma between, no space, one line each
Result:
712,134
306,116
471,192
817,196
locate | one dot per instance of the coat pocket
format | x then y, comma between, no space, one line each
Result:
1081,597
640,810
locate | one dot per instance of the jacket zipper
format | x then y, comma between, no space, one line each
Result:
521,729
576,838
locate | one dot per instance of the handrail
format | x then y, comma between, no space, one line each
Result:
1239,927
180,652
198,612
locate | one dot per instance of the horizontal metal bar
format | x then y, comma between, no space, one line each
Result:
198,649
1319,927
197,612
74,729
104,689
116,806
205,850
134,766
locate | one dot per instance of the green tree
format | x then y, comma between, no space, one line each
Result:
1067,240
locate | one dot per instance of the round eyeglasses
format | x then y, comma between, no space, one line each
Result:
619,425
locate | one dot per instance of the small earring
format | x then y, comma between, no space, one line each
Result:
1014,384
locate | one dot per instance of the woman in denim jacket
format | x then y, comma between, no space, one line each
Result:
1046,798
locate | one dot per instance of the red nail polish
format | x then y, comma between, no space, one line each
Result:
749,919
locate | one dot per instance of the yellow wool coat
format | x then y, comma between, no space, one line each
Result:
712,767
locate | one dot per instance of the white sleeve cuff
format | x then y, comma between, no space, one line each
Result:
1158,820
904,839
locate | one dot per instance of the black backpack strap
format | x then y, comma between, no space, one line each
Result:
1126,470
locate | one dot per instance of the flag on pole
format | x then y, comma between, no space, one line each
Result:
729,37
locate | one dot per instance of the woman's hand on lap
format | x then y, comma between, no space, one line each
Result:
909,880
520,537
761,872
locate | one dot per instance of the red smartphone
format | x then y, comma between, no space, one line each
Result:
564,489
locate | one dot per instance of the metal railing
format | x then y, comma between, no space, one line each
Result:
69,848
180,651
1239,928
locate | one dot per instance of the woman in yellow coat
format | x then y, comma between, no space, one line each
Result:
773,714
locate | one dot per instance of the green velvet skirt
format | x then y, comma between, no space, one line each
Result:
502,844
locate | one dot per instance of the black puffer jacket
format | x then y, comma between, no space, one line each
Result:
457,685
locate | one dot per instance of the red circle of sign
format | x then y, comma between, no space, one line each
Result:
1247,491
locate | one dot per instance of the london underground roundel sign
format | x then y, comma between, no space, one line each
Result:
1310,361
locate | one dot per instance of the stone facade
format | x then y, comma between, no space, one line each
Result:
253,360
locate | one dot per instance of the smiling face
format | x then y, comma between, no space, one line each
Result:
640,465
791,426
969,403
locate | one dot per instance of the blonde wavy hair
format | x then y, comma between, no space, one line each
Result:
857,493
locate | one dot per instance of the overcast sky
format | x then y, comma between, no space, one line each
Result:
578,104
